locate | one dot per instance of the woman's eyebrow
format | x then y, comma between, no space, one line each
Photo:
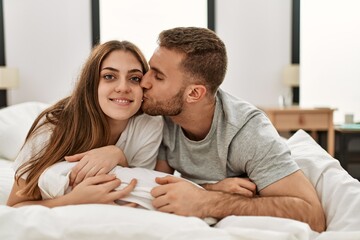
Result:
110,68
116,70
135,70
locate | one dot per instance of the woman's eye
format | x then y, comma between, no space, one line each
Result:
108,77
135,79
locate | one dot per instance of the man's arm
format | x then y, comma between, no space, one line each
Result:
291,197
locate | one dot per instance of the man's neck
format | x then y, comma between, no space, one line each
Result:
196,120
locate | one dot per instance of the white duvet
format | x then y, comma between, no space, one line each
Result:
338,191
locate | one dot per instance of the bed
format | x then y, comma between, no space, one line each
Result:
337,190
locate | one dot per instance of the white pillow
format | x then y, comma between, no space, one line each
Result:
338,191
15,122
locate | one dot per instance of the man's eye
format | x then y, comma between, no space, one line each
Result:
157,77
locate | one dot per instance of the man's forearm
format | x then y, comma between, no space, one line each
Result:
220,205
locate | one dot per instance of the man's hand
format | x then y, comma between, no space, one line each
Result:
178,196
241,186
95,162
99,189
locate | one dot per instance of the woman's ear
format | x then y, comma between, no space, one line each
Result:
195,93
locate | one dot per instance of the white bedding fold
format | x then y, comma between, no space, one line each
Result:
54,182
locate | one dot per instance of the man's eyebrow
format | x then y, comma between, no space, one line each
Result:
158,70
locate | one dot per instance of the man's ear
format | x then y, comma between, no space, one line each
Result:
195,93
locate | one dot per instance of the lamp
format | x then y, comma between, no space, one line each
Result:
291,75
291,78
9,78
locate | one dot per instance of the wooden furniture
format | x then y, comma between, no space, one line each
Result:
309,119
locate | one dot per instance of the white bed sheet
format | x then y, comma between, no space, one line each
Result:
338,191
6,179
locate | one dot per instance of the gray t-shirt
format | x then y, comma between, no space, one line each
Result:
241,141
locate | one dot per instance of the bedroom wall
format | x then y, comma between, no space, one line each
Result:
49,43
258,38
48,40
330,56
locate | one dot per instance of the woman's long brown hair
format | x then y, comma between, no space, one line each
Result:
77,121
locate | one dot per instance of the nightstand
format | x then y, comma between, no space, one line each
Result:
309,119
345,134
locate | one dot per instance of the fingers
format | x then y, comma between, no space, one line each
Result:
76,157
93,171
74,174
159,191
244,192
160,202
103,179
167,179
130,204
122,193
166,208
84,170
246,183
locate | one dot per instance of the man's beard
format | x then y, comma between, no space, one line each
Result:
171,107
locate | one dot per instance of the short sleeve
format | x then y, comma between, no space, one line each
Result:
261,152
32,146
142,142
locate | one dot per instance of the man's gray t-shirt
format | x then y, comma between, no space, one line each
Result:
241,141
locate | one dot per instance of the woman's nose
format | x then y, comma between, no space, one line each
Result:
122,86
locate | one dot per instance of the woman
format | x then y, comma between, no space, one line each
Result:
102,111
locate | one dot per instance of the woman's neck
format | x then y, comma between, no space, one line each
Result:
116,128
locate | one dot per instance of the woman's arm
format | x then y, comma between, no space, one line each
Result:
95,162
163,166
242,186
97,189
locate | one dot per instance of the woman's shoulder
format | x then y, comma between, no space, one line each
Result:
145,120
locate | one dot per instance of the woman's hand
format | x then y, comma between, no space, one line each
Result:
95,162
99,189
241,186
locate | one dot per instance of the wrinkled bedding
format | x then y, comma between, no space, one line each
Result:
338,191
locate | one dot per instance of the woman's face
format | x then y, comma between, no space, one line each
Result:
119,91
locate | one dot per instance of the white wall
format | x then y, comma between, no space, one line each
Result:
257,34
145,30
48,40
330,56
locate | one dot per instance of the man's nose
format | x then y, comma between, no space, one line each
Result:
145,81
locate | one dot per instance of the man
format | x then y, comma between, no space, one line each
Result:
210,136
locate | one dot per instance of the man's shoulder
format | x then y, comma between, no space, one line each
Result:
236,111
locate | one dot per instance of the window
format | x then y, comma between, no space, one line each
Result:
140,21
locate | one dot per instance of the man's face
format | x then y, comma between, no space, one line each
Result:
163,84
